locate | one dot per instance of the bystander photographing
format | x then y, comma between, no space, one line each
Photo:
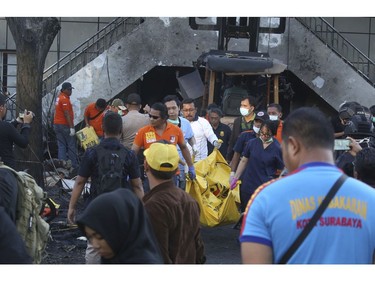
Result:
10,136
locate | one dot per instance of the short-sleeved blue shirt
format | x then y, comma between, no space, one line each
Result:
344,234
262,164
242,141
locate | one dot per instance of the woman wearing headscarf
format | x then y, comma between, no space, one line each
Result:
117,225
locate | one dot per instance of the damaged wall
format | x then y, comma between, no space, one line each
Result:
156,42
171,42
320,68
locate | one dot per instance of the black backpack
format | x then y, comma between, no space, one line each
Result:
110,169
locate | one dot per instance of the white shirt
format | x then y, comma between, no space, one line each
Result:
202,133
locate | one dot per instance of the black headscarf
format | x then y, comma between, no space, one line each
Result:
120,218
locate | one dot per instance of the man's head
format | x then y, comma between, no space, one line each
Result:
173,105
100,104
112,124
66,88
117,106
3,106
133,102
214,116
347,111
364,166
274,110
161,160
158,114
189,109
306,132
267,131
247,105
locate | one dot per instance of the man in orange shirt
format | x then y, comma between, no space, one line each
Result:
94,116
63,125
160,129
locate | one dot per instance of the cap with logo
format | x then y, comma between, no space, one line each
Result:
118,103
261,115
162,157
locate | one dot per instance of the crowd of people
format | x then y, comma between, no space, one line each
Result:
137,210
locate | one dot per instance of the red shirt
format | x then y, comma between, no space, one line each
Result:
62,104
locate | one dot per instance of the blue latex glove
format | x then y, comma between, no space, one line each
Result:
192,174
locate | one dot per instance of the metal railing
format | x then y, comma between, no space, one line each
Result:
87,51
341,46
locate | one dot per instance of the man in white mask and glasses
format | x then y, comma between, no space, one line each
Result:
242,123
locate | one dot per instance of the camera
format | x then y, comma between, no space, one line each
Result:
342,144
21,115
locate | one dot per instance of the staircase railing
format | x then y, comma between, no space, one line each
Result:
87,51
341,46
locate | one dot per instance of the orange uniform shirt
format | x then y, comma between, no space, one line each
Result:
92,111
63,103
147,135
279,131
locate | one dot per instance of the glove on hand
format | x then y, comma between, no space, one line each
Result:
195,150
233,183
191,173
231,177
72,132
217,143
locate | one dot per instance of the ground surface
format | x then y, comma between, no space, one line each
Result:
221,243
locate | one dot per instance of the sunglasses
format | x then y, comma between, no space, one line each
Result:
153,116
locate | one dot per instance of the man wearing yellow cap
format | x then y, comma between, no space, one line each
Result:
173,213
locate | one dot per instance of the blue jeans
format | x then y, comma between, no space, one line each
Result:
66,144
181,178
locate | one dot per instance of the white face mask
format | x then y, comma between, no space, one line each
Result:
175,122
274,117
244,111
256,129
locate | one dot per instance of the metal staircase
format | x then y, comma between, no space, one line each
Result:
87,51
341,46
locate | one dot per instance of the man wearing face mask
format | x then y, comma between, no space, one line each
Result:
118,106
274,110
242,123
244,138
173,105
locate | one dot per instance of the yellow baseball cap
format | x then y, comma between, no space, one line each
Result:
162,157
